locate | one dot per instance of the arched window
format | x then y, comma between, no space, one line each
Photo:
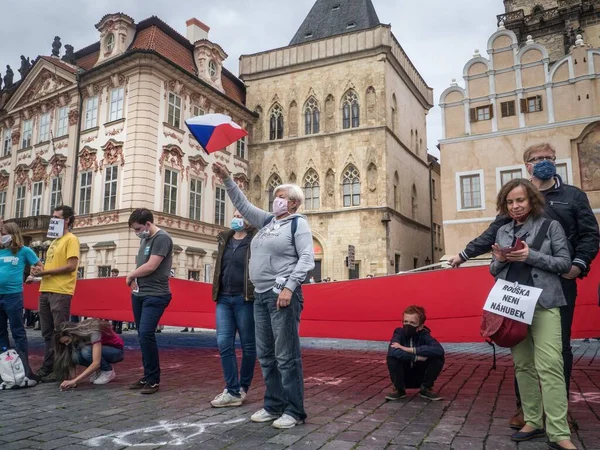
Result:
394,112
274,181
396,191
350,110
417,141
413,196
276,123
538,9
312,190
311,116
351,186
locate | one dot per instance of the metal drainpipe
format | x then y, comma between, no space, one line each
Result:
431,213
76,156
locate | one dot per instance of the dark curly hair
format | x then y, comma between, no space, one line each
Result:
535,197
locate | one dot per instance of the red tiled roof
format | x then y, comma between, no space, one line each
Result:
232,90
58,63
153,38
88,61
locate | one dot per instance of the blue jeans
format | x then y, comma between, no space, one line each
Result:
234,314
11,310
278,348
147,311
109,355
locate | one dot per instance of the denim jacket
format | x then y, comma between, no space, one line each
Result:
548,263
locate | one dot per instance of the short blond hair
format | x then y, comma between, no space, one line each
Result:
536,148
294,192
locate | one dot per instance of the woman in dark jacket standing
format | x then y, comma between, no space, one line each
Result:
234,294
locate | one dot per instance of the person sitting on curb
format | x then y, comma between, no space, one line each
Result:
91,343
415,359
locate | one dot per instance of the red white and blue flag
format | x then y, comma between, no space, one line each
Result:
215,131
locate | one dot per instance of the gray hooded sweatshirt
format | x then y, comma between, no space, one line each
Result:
272,252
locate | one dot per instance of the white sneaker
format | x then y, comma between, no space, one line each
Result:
105,377
262,416
286,421
243,394
94,376
225,399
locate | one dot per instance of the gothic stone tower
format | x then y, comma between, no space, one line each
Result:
554,24
342,114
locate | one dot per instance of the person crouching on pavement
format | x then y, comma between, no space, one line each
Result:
415,359
91,343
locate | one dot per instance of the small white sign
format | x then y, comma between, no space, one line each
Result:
513,300
56,229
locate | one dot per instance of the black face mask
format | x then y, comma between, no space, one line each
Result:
410,330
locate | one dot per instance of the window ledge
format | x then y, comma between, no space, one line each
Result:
7,156
24,149
245,161
172,127
90,130
60,138
114,122
41,144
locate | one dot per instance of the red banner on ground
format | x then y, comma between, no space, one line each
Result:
367,309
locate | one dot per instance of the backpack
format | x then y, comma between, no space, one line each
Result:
13,371
501,330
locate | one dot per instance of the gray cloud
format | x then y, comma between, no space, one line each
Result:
438,35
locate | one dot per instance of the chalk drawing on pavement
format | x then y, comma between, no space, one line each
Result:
169,433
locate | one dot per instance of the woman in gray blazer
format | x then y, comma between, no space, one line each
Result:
539,356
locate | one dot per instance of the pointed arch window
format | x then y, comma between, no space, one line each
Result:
312,190
276,123
350,110
394,112
311,116
351,186
274,181
414,202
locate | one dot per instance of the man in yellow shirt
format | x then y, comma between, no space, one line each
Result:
59,277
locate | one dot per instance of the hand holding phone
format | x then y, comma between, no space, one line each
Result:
519,245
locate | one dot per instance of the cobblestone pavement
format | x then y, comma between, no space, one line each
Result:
345,386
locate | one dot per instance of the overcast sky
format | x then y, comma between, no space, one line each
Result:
438,35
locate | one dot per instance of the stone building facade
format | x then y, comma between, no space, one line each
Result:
341,112
103,130
511,100
553,24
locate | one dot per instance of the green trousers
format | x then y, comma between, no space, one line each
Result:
538,362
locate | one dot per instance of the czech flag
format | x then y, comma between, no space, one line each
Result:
215,131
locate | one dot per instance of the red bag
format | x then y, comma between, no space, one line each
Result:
502,331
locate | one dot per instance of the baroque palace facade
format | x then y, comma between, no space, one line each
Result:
102,129
341,112
521,94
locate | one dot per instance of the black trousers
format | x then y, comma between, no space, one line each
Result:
421,374
567,312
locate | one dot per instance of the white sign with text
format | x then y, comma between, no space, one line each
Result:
56,229
513,300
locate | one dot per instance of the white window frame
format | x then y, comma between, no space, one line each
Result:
20,201
91,112
567,162
171,102
171,186
44,128
219,202
117,104
197,111
27,138
7,142
62,124
195,210
36,198
499,171
3,204
458,177
87,198
241,147
55,192
108,188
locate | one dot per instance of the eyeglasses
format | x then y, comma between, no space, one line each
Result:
542,158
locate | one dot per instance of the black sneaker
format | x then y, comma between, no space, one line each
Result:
429,394
396,395
150,388
43,372
138,384
50,378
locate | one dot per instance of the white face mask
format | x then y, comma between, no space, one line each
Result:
6,239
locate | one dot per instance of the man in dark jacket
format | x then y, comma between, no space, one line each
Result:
415,359
571,208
